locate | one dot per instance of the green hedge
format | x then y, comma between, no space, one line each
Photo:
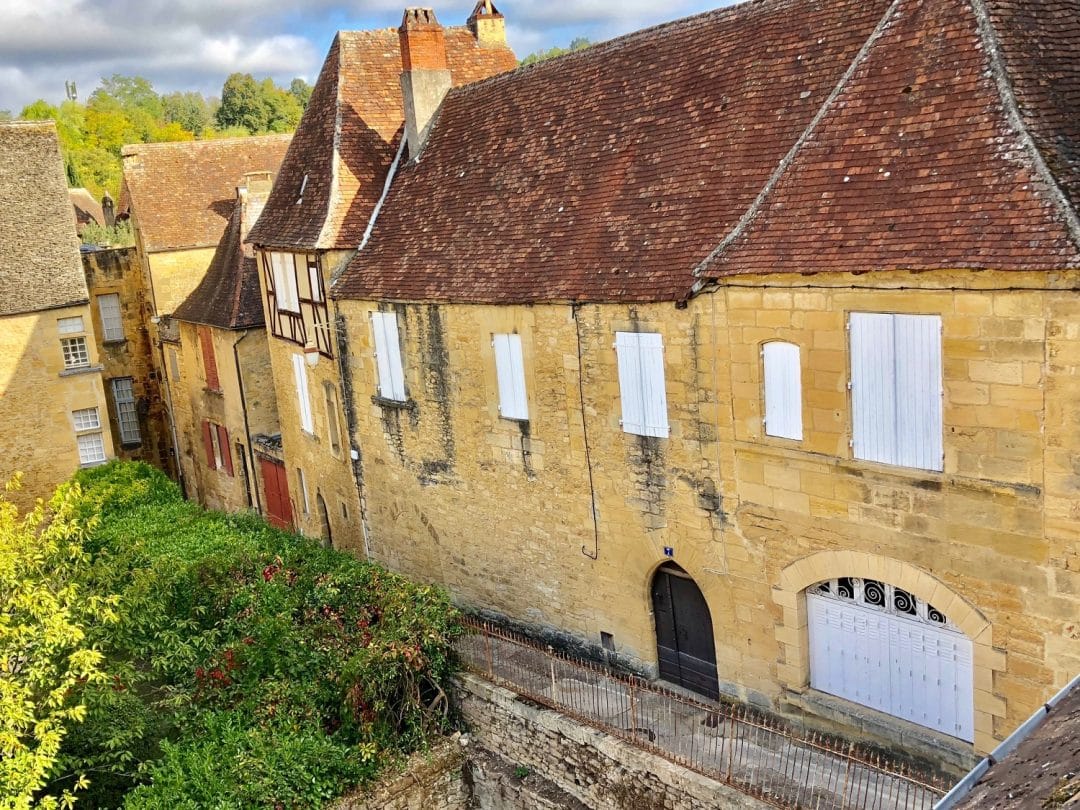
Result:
251,667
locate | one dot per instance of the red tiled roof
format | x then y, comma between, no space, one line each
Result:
921,161
609,173
182,193
228,297
347,138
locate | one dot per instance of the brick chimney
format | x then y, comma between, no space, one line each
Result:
252,193
488,25
425,79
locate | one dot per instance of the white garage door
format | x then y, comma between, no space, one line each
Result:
877,645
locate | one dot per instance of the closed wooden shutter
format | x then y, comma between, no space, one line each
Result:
208,444
388,355
206,341
303,396
783,390
226,452
642,388
510,370
630,386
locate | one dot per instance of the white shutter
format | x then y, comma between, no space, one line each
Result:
783,390
388,355
641,383
510,370
917,345
302,395
873,388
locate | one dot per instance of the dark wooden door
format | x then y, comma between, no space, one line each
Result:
276,493
684,632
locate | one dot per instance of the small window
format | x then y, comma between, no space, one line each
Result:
112,324
314,279
283,269
641,383
75,353
303,396
388,356
303,490
333,427
510,370
126,415
86,419
783,390
206,342
896,389
70,326
174,364
88,436
224,452
344,511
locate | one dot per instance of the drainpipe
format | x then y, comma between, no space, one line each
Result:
252,489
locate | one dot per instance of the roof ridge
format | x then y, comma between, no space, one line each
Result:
785,163
132,148
1015,118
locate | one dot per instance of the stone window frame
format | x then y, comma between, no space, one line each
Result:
792,636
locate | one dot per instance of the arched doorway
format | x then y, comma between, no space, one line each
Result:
879,645
324,516
684,633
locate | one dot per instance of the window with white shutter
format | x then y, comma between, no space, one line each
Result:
303,396
896,389
641,383
283,268
783,390
391,380
112,322
510,370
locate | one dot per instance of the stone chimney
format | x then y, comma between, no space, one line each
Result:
425,79
488,25
252,193
108,210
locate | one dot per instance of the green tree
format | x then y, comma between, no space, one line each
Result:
242,104
44,654
192,111
133,93
301,91
576,44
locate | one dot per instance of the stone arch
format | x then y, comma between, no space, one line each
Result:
789,594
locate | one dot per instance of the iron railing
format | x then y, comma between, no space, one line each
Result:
753,752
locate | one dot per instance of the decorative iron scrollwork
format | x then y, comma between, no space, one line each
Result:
884,597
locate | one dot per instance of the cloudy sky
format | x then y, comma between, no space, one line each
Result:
195,44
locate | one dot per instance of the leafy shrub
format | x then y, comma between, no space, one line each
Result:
250,667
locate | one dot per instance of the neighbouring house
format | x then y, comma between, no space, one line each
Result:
330,183
742,349
88,210
179,197
222,388
52,402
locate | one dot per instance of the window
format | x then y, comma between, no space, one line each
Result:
216,446
510,371
303,396
314,279
206,341
70,326
896,389
126,415
388,356
641,383
333,428
283,270
783,390
88,436
75,353
112,324
303,490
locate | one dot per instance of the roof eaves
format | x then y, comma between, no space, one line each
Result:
1000,73
785,163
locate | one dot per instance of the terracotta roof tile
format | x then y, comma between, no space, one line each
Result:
918,162
40,266
347,138
183,193
228,297
610,173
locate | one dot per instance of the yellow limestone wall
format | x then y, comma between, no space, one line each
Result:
175,274
502,514
37,398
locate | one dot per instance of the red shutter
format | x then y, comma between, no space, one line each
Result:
206,340
208,444
226,453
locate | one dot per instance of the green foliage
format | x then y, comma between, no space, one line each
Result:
301,91
257,106
46,654
191,111
120,235
577,44
250,667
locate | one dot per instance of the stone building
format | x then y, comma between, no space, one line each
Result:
330,183
222,388
180,197
48,351
743,349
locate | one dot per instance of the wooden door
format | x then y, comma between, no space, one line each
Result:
276,493
684,633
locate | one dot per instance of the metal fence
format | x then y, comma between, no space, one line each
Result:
752,752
